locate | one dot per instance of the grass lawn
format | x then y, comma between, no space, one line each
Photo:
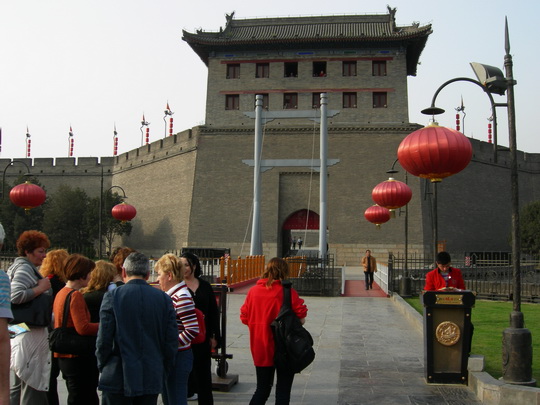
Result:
490,318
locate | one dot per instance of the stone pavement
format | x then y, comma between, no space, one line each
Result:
367,353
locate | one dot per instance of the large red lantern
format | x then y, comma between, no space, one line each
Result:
27,196
377,215
124,212
391,194
435,152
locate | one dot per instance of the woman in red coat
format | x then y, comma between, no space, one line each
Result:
261,307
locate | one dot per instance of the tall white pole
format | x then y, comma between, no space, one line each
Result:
323,177
256,243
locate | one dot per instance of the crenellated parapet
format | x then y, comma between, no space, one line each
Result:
165,148
84,172
483,152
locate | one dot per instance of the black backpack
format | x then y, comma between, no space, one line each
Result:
293,343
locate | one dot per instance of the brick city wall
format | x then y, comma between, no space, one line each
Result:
193,189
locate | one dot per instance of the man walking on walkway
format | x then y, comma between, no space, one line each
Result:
370,266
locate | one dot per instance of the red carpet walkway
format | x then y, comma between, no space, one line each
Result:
356,288
353,288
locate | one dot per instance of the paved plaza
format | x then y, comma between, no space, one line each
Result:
367,353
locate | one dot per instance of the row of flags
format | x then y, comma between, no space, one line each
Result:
71,137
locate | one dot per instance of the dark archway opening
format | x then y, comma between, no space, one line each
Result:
297,224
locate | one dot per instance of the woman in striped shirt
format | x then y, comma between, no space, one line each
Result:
171,280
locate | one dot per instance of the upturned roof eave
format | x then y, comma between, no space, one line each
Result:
414,43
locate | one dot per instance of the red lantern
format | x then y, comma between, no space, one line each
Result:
124,212
391,194
377,215
435,152
27,196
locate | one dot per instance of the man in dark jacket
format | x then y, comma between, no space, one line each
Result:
137,339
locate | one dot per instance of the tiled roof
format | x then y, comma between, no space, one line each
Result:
301,32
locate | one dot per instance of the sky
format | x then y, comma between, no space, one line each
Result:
94,66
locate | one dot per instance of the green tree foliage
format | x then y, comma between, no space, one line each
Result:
530,228
69,218
110,227
66,220
16,220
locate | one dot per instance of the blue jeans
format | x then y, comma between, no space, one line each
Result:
175,390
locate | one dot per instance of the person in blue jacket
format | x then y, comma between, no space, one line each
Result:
137,339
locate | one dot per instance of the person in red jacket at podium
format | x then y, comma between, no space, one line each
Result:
444,277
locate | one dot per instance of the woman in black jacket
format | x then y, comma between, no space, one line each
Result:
200,379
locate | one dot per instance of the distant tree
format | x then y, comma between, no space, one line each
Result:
66,220
530,228
16,220
110,227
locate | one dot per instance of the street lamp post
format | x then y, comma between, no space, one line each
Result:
405,287
433,110
100,216
517,340
25,195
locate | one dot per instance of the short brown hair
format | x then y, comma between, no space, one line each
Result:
77,267
53,264
31,240
169,263
276,269
119,256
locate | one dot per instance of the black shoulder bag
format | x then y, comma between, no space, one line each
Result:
66,340
293,343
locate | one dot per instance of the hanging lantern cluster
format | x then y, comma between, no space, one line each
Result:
27,196
124,212
377,215
435,152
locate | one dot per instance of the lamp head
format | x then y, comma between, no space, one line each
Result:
432,110
491,77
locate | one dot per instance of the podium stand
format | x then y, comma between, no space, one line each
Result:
447,335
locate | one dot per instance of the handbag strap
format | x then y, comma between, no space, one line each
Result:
287,303
66,308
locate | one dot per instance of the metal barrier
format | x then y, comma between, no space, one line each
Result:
490,280
314,276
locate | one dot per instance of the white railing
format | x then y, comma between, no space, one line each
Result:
381,277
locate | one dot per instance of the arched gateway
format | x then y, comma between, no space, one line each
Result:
300,221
